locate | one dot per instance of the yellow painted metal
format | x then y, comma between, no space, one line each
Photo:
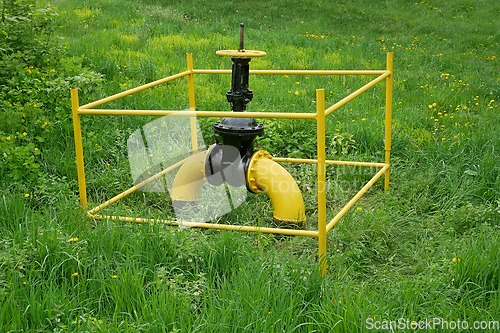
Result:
358,92
82,188
132,91
293,72
356,198
241,54
290,232
330,162
189,179
320,128
263,174
192,103
388,118
275,115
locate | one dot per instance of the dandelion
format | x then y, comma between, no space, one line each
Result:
363,119
26,195
340,302
296,93
24,134
114,276
454,259
75,274
73,239
8,138
359,208
25,283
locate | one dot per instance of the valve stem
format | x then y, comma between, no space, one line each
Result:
242,36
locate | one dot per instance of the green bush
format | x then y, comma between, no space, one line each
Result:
35,80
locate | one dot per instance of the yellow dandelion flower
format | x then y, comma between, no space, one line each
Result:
296,93
363,119
74,274
8,138
24,134
454,259
359,208
75,239
26,195
114,276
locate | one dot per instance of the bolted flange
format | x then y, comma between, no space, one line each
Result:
251,170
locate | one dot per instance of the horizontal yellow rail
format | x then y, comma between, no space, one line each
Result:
293,72
358,92
291,232
355,198
228,71
198,113
134,90
313,161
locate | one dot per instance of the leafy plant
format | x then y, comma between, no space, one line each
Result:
342,144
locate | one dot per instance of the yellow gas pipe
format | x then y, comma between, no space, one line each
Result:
263,175
189,180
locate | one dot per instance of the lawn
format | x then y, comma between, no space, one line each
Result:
425,254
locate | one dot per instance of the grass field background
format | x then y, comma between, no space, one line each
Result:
429,248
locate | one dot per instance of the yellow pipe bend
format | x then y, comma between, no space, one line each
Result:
263,174
189,179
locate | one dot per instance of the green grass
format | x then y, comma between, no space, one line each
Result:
427,249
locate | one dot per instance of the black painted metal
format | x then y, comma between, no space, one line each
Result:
239,133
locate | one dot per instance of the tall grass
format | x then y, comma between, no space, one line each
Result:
426,249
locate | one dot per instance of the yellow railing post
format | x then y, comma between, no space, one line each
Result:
320,129
192,104
388,118
78,147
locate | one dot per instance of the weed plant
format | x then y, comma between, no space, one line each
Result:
426,249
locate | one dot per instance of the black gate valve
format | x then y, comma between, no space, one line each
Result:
230,158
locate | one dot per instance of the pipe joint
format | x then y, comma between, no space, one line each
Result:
265,175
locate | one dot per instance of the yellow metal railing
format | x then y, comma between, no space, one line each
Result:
321,113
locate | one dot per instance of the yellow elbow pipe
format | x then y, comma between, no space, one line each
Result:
263,174
189,180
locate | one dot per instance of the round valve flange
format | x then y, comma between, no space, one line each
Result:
241,53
